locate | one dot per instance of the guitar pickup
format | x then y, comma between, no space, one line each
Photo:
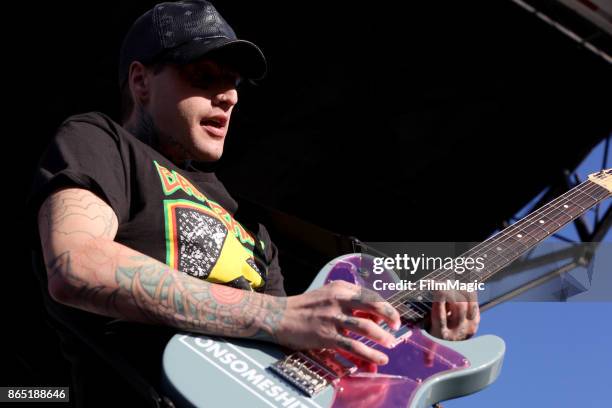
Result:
404,332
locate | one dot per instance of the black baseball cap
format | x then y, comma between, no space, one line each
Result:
184,31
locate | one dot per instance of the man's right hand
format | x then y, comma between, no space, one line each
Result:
322,319
87,269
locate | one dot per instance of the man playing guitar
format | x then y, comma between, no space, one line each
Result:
134,226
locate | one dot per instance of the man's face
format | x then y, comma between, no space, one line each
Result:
191,106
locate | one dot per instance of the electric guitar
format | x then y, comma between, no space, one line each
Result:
208,371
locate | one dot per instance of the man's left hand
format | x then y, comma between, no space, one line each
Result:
455,315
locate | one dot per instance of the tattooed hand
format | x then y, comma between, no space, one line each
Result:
455,315
322,318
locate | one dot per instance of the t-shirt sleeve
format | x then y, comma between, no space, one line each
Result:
85,155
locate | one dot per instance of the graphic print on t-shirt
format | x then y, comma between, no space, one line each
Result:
203,239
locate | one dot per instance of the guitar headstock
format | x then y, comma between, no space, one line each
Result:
603,178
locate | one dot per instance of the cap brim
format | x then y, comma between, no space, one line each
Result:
242,55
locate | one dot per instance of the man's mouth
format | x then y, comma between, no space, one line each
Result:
215,126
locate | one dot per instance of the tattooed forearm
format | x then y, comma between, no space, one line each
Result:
60,271
88,270
170,297
146,290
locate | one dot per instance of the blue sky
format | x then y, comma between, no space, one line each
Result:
558,354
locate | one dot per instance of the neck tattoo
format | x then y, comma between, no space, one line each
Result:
146,130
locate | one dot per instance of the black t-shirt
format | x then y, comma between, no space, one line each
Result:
183,217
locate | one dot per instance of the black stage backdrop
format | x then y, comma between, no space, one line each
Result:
433,121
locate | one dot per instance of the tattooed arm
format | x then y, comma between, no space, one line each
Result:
88,270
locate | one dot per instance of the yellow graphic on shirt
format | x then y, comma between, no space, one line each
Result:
204,240
173,181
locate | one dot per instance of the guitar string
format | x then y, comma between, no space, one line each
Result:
506,237
574,192
582,190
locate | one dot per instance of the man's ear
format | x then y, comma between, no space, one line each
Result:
139,82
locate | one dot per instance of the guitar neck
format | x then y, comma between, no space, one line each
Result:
501,249
509,244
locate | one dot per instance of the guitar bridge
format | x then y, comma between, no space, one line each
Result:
303,370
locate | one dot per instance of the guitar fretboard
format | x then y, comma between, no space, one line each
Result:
509,244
